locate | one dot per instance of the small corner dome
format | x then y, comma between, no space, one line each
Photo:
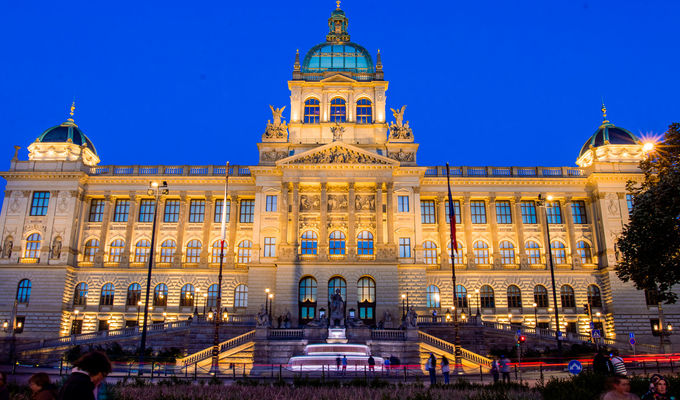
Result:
338,56
608,133
68,132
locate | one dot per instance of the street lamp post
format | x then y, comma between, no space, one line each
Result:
271,305
468,303
266,301
535,317
205,301
558,333
478,313
155,190
218,306
196,297
403,307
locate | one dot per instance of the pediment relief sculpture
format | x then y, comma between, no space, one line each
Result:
338,155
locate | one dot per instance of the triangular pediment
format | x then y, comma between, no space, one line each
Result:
337,153
338,78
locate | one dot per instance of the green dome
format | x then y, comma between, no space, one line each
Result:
608,133
334,56
66,132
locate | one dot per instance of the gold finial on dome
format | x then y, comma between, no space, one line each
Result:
604,113
338,3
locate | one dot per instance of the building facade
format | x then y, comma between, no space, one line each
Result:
337,201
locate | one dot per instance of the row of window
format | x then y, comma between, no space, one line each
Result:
338,111
121,210
487,297
187,295
503,211
366,296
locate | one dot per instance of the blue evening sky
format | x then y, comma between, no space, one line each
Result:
486,82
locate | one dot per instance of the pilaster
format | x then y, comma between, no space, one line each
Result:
323,224
390,214
570,230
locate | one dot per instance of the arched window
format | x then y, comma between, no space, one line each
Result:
507,252
307,299
583,251
338,111
24,291
160,295
366,299
90,250
365,243
559,255
533,252
241,296
32,246
142,249
364,111
567,296
312,113
458,254
461,297
433,297
429,252
514,297
213,292
168,249
481,251
486,297
337,283
216,249
80,294
134,295
541,296
107,295
309,243
115,250
194,251
245,251
594,298
336,243
187,295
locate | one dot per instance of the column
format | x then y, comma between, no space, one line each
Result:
417,220
233,215
351,229
283,214
467,223
592,214
182,222
442,218
390,214
296,216
570,230
323,224
104,232
207,223
493,224
132,215
379,214
519,226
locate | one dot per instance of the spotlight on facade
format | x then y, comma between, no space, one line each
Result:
648,147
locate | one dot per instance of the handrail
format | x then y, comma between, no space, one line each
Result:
89,337
287,333
451,349
393,334
224,346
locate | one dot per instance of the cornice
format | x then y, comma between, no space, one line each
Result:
507,181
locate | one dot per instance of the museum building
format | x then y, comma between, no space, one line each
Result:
337,201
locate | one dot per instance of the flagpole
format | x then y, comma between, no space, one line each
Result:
457,363
218,312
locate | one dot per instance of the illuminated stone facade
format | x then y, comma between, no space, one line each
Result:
336,193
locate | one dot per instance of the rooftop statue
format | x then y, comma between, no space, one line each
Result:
398,115
276,113
399,130
278,129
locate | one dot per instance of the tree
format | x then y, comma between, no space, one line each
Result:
650,243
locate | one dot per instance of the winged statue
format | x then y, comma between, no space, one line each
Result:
399,115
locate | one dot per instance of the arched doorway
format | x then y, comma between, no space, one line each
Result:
307,299
366,300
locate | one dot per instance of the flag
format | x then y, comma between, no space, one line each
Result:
224,204
452,215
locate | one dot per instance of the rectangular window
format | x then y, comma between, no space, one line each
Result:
39,203
478,211
120,213
404,247
503,212
554,212
578,212
427,214
218,210
247,211
456,211
96,210
171,211
146,210
196,210
402,204
629,203
269,247
270,205
528,209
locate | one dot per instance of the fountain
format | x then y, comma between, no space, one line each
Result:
324,356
